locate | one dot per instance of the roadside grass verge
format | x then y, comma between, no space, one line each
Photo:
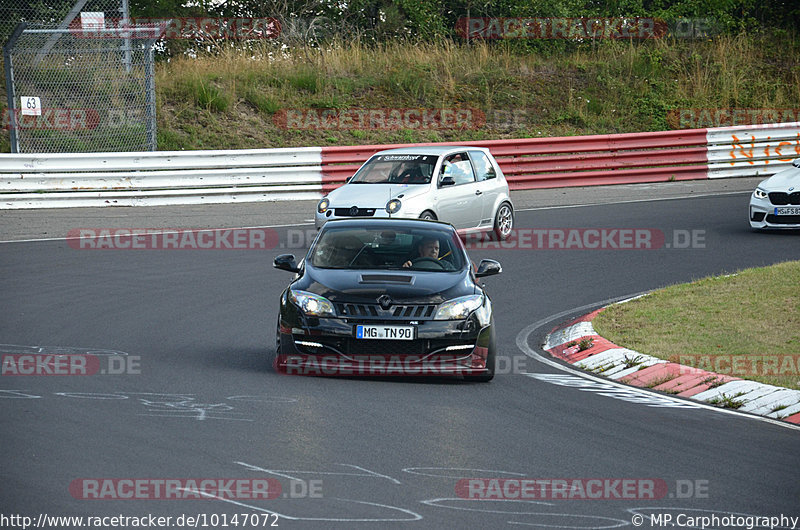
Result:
748,322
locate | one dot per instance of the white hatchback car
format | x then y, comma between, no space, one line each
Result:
775,203
463,186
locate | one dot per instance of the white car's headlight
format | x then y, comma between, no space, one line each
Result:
323,205
312,304
459,308
760,194
393,206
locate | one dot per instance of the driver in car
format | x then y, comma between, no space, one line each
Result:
410,173
427,248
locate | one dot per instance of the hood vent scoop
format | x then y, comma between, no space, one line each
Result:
403,279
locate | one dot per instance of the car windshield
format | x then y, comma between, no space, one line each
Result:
436,250
396,169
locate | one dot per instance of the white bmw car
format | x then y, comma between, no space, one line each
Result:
775,203
463,186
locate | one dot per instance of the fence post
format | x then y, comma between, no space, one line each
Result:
10,92
150,94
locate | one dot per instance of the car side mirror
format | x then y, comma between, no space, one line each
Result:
447,181
286,262
796,163
488,267
348,179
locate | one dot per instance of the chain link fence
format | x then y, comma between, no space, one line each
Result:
51,12
80,81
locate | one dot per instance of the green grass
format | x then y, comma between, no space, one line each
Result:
738,324
525,91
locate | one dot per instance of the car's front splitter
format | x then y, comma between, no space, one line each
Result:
383,365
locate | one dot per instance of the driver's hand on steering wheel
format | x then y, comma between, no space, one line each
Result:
407,264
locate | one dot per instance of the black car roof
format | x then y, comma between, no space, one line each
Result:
393,222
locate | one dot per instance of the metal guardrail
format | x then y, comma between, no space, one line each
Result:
616,158
169,177
191,177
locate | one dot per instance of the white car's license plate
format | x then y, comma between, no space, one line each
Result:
792,210
385,332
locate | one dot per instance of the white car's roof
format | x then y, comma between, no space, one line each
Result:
436,150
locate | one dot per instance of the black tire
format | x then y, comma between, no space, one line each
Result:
272,355
428,215
504,221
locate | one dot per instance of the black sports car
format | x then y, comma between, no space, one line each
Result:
386,297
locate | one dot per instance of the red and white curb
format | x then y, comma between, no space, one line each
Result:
579,344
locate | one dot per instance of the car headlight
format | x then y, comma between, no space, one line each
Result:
393,206
760,194
312,304
323,205
459,308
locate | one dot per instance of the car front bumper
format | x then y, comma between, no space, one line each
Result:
762,215
328,346
379,213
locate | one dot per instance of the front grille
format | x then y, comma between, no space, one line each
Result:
412,311
780,198
358,310
348,212
783,219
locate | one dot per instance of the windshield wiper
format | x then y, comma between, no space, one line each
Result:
350,265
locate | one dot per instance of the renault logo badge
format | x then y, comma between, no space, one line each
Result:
385,301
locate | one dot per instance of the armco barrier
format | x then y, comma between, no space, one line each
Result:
158,178
629,158
191,177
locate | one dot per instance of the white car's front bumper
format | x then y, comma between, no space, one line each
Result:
377,213
763,214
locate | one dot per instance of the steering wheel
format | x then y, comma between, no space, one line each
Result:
416,261
407,175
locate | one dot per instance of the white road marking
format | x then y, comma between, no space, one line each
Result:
461,475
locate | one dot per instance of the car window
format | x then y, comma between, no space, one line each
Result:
396,169
484,169
379,248
459,168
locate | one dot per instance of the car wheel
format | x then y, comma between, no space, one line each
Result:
428,215
272,356
491,361
504,221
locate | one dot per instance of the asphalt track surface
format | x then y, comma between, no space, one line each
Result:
378,452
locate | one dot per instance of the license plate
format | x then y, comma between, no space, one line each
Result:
793,210
385,332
